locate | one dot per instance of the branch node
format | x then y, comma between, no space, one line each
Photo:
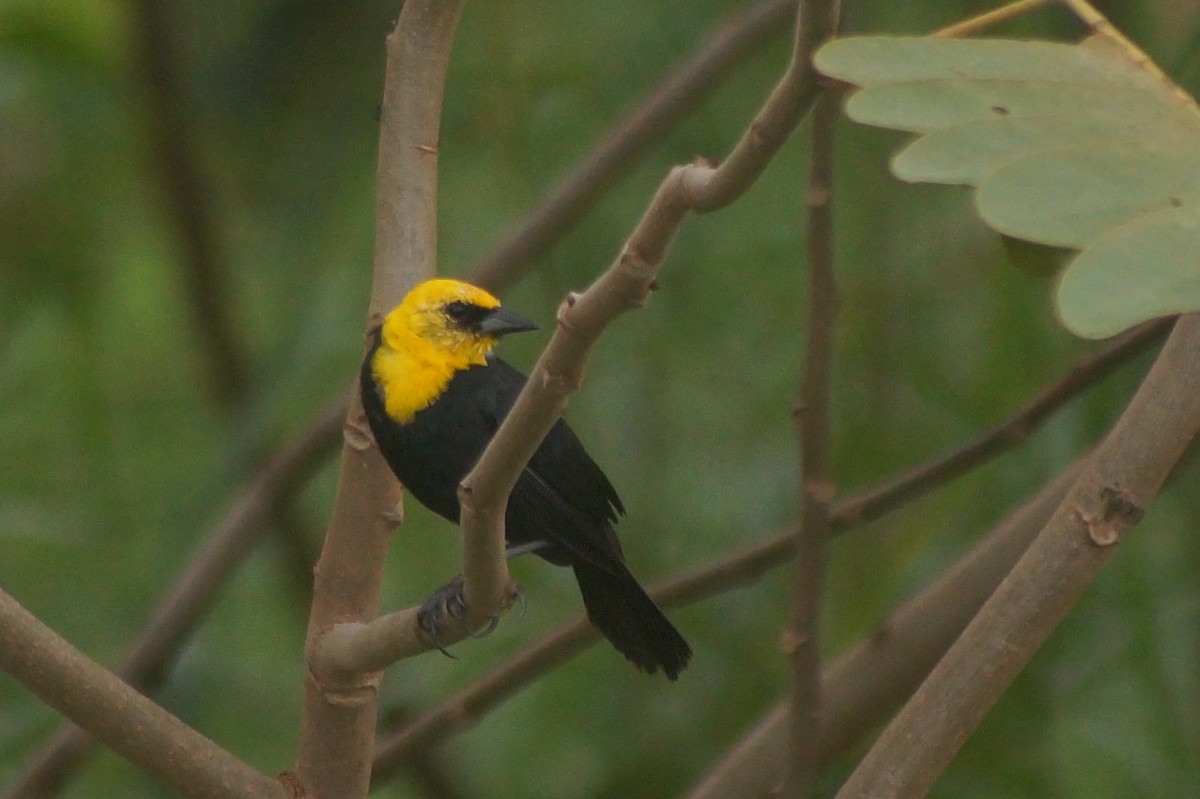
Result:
395,514
822,491
425,148
355,433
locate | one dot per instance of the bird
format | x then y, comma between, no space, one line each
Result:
434,393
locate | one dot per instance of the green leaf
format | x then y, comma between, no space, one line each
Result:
1070,146
1068,197
1132,273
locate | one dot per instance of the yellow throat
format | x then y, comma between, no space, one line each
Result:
422,348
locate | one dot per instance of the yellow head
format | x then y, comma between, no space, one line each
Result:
442,326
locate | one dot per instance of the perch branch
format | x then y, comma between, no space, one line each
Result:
581,319
338,729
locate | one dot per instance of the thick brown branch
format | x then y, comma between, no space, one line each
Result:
1106,501
337,734
870,678
187,601
128,722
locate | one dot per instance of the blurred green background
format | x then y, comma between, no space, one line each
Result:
118,452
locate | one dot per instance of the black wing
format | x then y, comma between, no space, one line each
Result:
562,498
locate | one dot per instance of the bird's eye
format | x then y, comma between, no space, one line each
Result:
458,310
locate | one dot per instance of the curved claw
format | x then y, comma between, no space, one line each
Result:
522,600
490,628
447,600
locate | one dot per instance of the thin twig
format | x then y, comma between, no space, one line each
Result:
681,92
988,19
802,634
1106,501
125,720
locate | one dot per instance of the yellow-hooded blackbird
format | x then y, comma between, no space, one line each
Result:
434,395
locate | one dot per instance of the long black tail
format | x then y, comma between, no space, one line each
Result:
628,618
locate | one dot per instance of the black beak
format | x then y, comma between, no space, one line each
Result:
501,321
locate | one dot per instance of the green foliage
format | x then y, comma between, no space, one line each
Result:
116,460
1070,146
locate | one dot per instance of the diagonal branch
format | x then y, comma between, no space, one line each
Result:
186,602
863,683
751,563
581,319
128,722
643,128
1106,501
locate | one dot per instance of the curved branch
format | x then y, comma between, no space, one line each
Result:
872,676
643,128
1106,501
188,599
125,720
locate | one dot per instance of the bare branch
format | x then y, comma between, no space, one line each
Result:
188,599
801,635
338,730
987,19
863,683
749,564
643,128
483,493
128,722
1106,501
915,628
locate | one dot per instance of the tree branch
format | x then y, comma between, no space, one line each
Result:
1106,501
689,83
581,319
340,707
749,564
863,683
186,602
801,635
129,723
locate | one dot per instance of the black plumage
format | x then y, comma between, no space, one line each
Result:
562,502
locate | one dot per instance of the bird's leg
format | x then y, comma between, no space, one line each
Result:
445,601
449,600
